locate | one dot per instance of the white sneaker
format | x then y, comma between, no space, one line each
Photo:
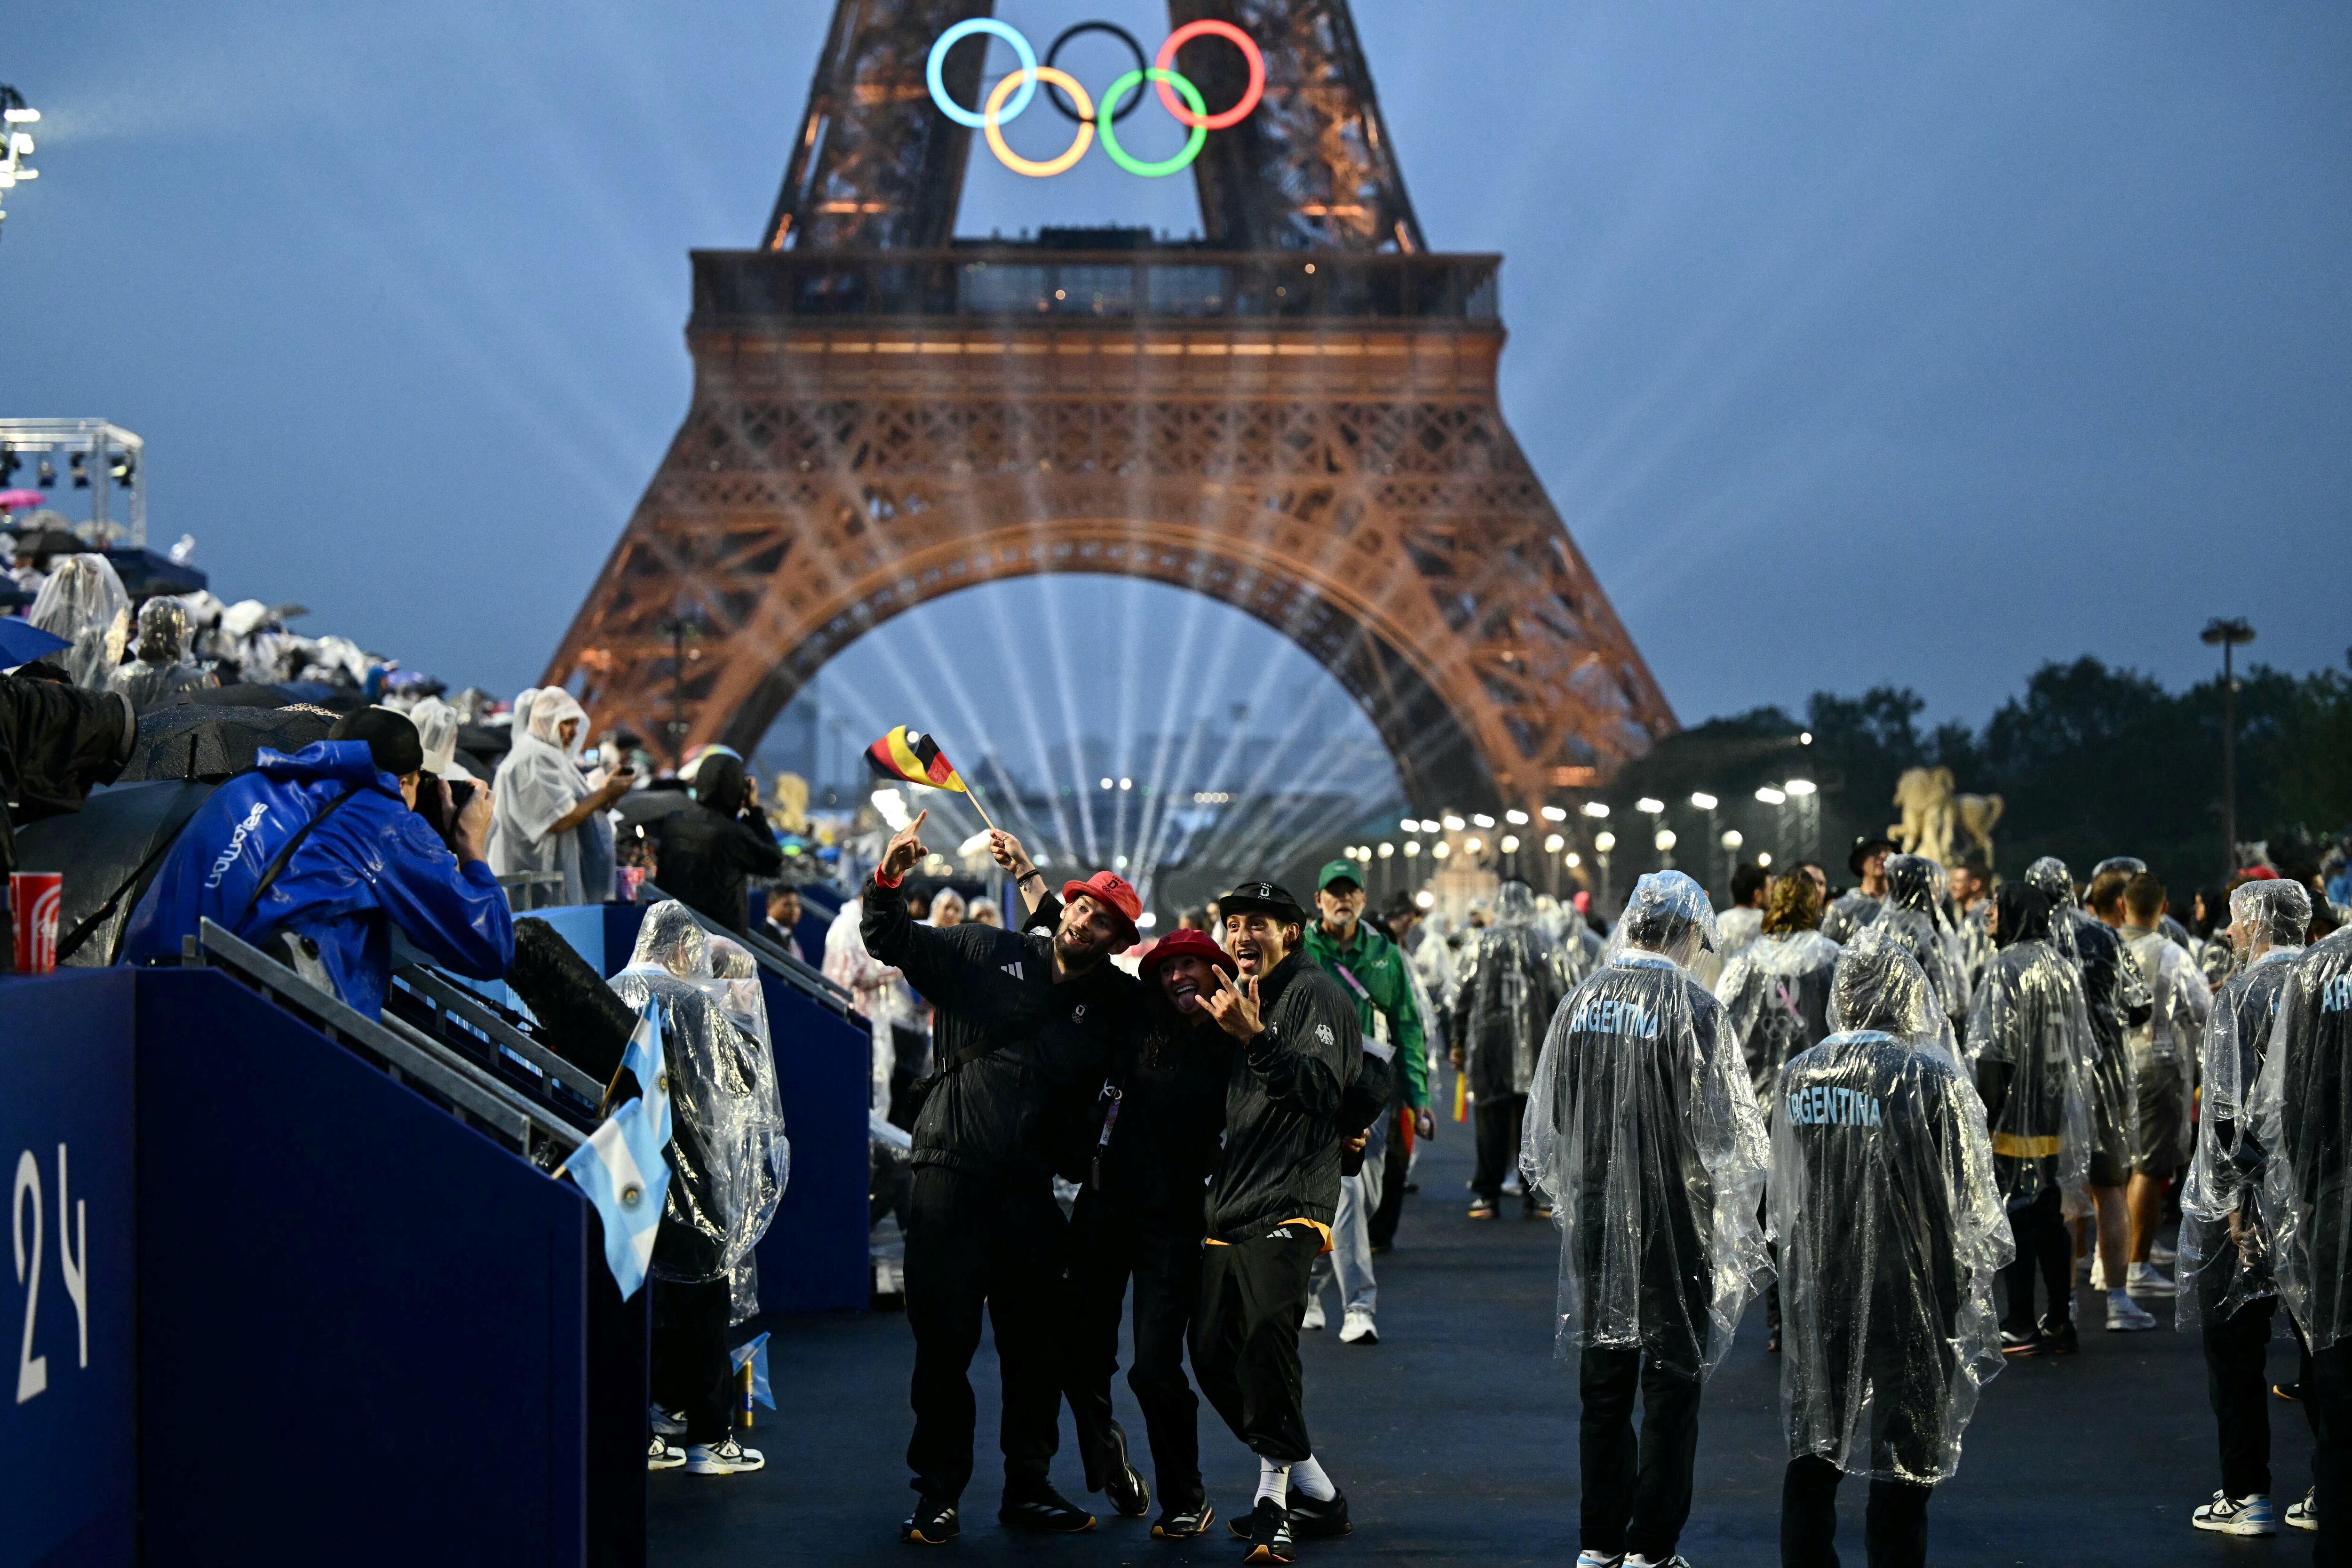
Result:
660,1456
666,1423
727,1458
2162,1256
2235,1516
2099,1280
2303,1515
2147,1280
1314,1317
1635,1559
1589,1558
2125,1316
1358,1329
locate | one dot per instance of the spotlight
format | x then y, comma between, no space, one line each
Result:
1732,839
9,464
1764,858
1127,783
1510,844
1515,818
1423,899
121,467
1146,920
1118,862
1801,787
1554,814
1574,860
1554,844
1772,796
1412,848
1650,804
1440,851
48,475
1387,850
1480,819
1664,839
1106,783
1703,801
1455,824
80,465
1595,809
1409,825
1604,841
1473,843
1806,739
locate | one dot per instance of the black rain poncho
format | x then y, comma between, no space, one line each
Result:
2030,1045
1913,914
1891,1230
2225,1255
2303,1119
1776,995
1643,1127
725,1147
1515,983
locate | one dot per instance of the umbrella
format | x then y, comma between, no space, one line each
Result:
196,741
108,852
22,642
17,501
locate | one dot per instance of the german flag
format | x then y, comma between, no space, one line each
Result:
913,758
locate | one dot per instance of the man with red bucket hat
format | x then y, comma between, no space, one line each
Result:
1022,1029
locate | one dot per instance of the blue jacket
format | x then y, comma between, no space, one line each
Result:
374,864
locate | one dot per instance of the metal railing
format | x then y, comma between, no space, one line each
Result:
473,1022
1012,285
474,1095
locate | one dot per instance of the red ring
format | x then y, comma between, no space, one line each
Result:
1250,51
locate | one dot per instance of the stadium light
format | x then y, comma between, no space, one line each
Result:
1595,809
1515,818
1455,824
1554,844
1423,899
1703,801
1664,839
1801,787
1772,796
1604,842
1764,858
1732,839
1510,844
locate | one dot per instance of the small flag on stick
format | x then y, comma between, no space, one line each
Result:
621,1169
908,755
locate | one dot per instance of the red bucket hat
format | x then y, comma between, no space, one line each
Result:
1186,944
1107,888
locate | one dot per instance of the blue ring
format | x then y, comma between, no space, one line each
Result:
956,34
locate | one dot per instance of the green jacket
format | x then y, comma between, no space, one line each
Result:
1381,988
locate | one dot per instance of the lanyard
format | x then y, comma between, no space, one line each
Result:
1111,1092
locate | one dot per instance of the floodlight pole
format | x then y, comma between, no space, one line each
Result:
2229,634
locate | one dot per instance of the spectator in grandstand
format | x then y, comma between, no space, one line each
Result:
547,811
784,918
706,853
317,857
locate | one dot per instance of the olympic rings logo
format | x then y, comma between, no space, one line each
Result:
1011,95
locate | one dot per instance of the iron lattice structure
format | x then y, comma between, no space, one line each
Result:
1297,417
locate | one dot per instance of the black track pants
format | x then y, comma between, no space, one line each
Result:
1106,1254
1245,1339
1894,1532
1636,1494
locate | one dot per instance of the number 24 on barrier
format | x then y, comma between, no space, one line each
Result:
73,1259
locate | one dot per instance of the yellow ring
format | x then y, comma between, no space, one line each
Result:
1014,161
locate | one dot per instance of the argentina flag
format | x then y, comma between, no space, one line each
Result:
620,1168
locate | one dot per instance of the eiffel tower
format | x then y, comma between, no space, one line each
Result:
1295,414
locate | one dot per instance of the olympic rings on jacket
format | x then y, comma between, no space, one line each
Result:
1020,86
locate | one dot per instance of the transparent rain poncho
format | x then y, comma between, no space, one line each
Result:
1913,914
2164,1047
160,666
82,602
1642,1126
725,1146
2225,1258
1515,983
1776,992
2030,1031
735,986
533,789
2302,1110
2113,995
1934,1031
1891,1230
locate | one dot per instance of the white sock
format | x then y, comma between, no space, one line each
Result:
1308,1478
1273,1481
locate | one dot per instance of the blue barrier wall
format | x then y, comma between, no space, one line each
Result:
362,1323
67,1441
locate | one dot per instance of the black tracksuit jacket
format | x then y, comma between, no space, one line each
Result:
1020,1111
1288,1105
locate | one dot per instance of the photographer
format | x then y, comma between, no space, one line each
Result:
323,849
706,855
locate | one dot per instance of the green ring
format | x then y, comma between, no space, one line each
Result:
1118,154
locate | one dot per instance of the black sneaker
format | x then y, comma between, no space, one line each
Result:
2060,1341
1269,1534
1042,1511
1312,1520
1480,1208
2022,1342
934,1523
1184,1523
1127,1493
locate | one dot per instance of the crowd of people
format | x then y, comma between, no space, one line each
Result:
1898,1113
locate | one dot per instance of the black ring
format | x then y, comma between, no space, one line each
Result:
1060,99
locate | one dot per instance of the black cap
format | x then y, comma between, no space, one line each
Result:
1265,898
1866,847
391,739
